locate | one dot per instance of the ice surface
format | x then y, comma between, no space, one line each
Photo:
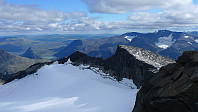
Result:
66,88
165,42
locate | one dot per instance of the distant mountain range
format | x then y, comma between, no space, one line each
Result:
19,45
104,47
165,42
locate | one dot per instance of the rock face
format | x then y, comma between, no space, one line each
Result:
10,64
31,53
128,62
173,89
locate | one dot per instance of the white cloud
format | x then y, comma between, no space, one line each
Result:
173,14
17,18
123,6
33,14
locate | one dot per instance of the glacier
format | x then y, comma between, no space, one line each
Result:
66,88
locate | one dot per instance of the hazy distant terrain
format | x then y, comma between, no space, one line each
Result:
46,45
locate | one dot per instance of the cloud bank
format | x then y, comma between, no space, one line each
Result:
123,6
143,15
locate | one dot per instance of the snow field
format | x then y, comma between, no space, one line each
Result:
66,88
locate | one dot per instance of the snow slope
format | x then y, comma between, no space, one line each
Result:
66,88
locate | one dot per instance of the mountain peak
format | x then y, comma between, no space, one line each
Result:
164,31
147,56
31,53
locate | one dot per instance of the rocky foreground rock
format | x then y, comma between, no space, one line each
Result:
173,89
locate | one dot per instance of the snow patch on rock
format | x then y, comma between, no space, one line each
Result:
196,40
165,42
147,56
186,36
190,43
130,38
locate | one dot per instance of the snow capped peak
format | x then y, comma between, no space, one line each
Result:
165,42
147,56
130,38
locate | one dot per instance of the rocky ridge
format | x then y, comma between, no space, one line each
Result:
123,64
128,62
173,89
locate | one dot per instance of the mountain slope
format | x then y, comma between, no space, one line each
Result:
66,88
10,64
31,53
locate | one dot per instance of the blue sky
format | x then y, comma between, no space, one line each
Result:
195,1
96,16
70,6
62,5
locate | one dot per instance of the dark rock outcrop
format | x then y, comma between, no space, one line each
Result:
128,62
173,89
